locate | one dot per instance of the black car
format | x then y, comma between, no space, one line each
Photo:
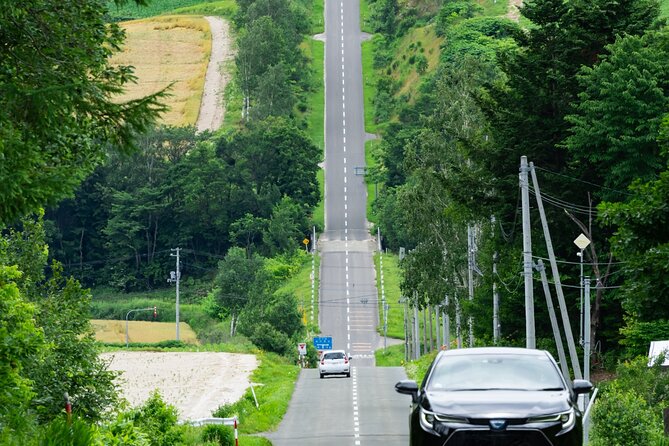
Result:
495,397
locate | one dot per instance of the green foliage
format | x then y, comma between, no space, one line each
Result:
128,10
454,11
617,119
61,432
639,334
58,113
621,417
218,434
158,420
20,340
267,337
67,362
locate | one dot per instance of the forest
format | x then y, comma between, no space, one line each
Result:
581,89
96,193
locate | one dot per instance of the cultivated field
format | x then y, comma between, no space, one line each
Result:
165,50
141,331
195,383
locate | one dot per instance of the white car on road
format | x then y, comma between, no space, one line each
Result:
334,362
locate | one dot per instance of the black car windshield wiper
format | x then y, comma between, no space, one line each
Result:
550,389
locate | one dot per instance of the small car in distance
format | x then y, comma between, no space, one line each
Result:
334,362
494,396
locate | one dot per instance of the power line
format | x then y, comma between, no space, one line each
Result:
578,263
584,181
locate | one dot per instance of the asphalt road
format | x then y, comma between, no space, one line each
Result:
339,411
364,409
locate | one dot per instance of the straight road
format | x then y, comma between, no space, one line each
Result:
337,411
364,409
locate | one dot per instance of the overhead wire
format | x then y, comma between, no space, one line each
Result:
583,181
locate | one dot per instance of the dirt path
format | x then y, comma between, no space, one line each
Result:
514,12
195,383
212,108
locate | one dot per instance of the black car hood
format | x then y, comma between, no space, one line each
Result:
497,403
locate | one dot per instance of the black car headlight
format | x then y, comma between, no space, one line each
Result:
436,423
567,418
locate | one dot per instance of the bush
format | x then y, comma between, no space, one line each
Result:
219,434
621,418
158,420
59,433
268,338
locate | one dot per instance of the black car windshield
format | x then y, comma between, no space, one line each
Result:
495,372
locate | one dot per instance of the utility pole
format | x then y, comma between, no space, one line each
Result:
495,301
416,334
178,277
530,336
586,352
556,279
554,324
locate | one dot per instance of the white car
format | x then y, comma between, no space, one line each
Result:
334,362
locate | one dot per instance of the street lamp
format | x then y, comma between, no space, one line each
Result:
582,242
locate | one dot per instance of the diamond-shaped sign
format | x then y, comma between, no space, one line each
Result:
582,241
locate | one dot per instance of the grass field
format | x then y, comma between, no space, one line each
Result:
113,331
368,84
300,286
157,7
165,50
391,282
371,149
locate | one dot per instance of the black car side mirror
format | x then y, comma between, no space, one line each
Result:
408,387
582,386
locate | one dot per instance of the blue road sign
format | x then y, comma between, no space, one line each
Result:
323,343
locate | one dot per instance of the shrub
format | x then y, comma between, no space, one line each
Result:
219,434
60,433
158,420
621,417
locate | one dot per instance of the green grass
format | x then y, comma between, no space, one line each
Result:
369,84
157,7
317,16
319,211
233,103
274,382
371,149
315,51
365,23
416,369
391,281
223,8
393,356
664,5
494,7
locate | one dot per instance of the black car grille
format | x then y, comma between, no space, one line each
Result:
506,438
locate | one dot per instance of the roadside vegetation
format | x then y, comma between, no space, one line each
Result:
237,203
460,95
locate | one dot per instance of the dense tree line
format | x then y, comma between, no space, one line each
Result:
133,191
583,93
254,189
